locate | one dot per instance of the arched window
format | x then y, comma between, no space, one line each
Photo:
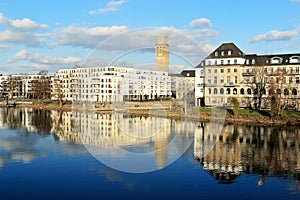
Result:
294,92
249,91
278,91
228,90
215,91
234,91
221,91
286,92
209,91
242,91
255,92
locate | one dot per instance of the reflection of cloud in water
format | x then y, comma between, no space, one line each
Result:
114,176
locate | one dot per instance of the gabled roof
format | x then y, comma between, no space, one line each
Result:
227,50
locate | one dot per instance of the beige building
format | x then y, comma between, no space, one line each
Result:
252,79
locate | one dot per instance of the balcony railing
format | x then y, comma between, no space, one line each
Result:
247,74
231,84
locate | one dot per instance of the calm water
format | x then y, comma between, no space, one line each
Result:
73,155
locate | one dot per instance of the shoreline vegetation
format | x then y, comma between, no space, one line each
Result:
175,110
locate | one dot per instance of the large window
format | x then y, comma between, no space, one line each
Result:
249,91
215,91
242,91
221,91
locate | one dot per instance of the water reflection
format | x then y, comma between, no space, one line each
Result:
111,136
226,152
264,151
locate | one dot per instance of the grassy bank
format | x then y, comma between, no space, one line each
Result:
175,110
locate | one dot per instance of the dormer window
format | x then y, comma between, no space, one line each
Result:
216,53
222,53
276,60
229,53
295,59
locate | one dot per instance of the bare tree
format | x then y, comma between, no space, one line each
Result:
42,88
280,90
57,92
257,83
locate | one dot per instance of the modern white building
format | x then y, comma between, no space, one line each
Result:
28,86
110,84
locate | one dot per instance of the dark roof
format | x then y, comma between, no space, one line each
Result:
188,73
224,49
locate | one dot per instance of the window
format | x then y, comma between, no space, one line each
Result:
235,91
222,62
228,91
249,91
221,91
228,79
297,70
297,80
228,62
216,62
209,91
215,79
216,53
228,70
235,79
294,92
235,61
278,91
221,79
242,91
229,52
222,53
208,100
215,91
235,70
208,80
216,71
222,70
209,71
286,92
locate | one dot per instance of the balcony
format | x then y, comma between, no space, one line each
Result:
247,74
231,84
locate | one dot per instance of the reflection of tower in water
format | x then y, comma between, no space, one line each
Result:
114,130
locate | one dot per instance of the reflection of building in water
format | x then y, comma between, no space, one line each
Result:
248,149
27,119
113,130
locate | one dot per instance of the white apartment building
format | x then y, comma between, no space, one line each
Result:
110,84
28,86
199,86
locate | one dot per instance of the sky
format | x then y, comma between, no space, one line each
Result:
51,35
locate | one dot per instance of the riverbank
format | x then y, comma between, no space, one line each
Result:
174,110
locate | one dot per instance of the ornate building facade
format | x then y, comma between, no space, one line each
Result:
252,79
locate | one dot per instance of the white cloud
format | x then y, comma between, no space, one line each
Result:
85,37
26,24
201,22
275,35
40,59
111,6
21,31
17,37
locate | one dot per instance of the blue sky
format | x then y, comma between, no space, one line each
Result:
49,35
